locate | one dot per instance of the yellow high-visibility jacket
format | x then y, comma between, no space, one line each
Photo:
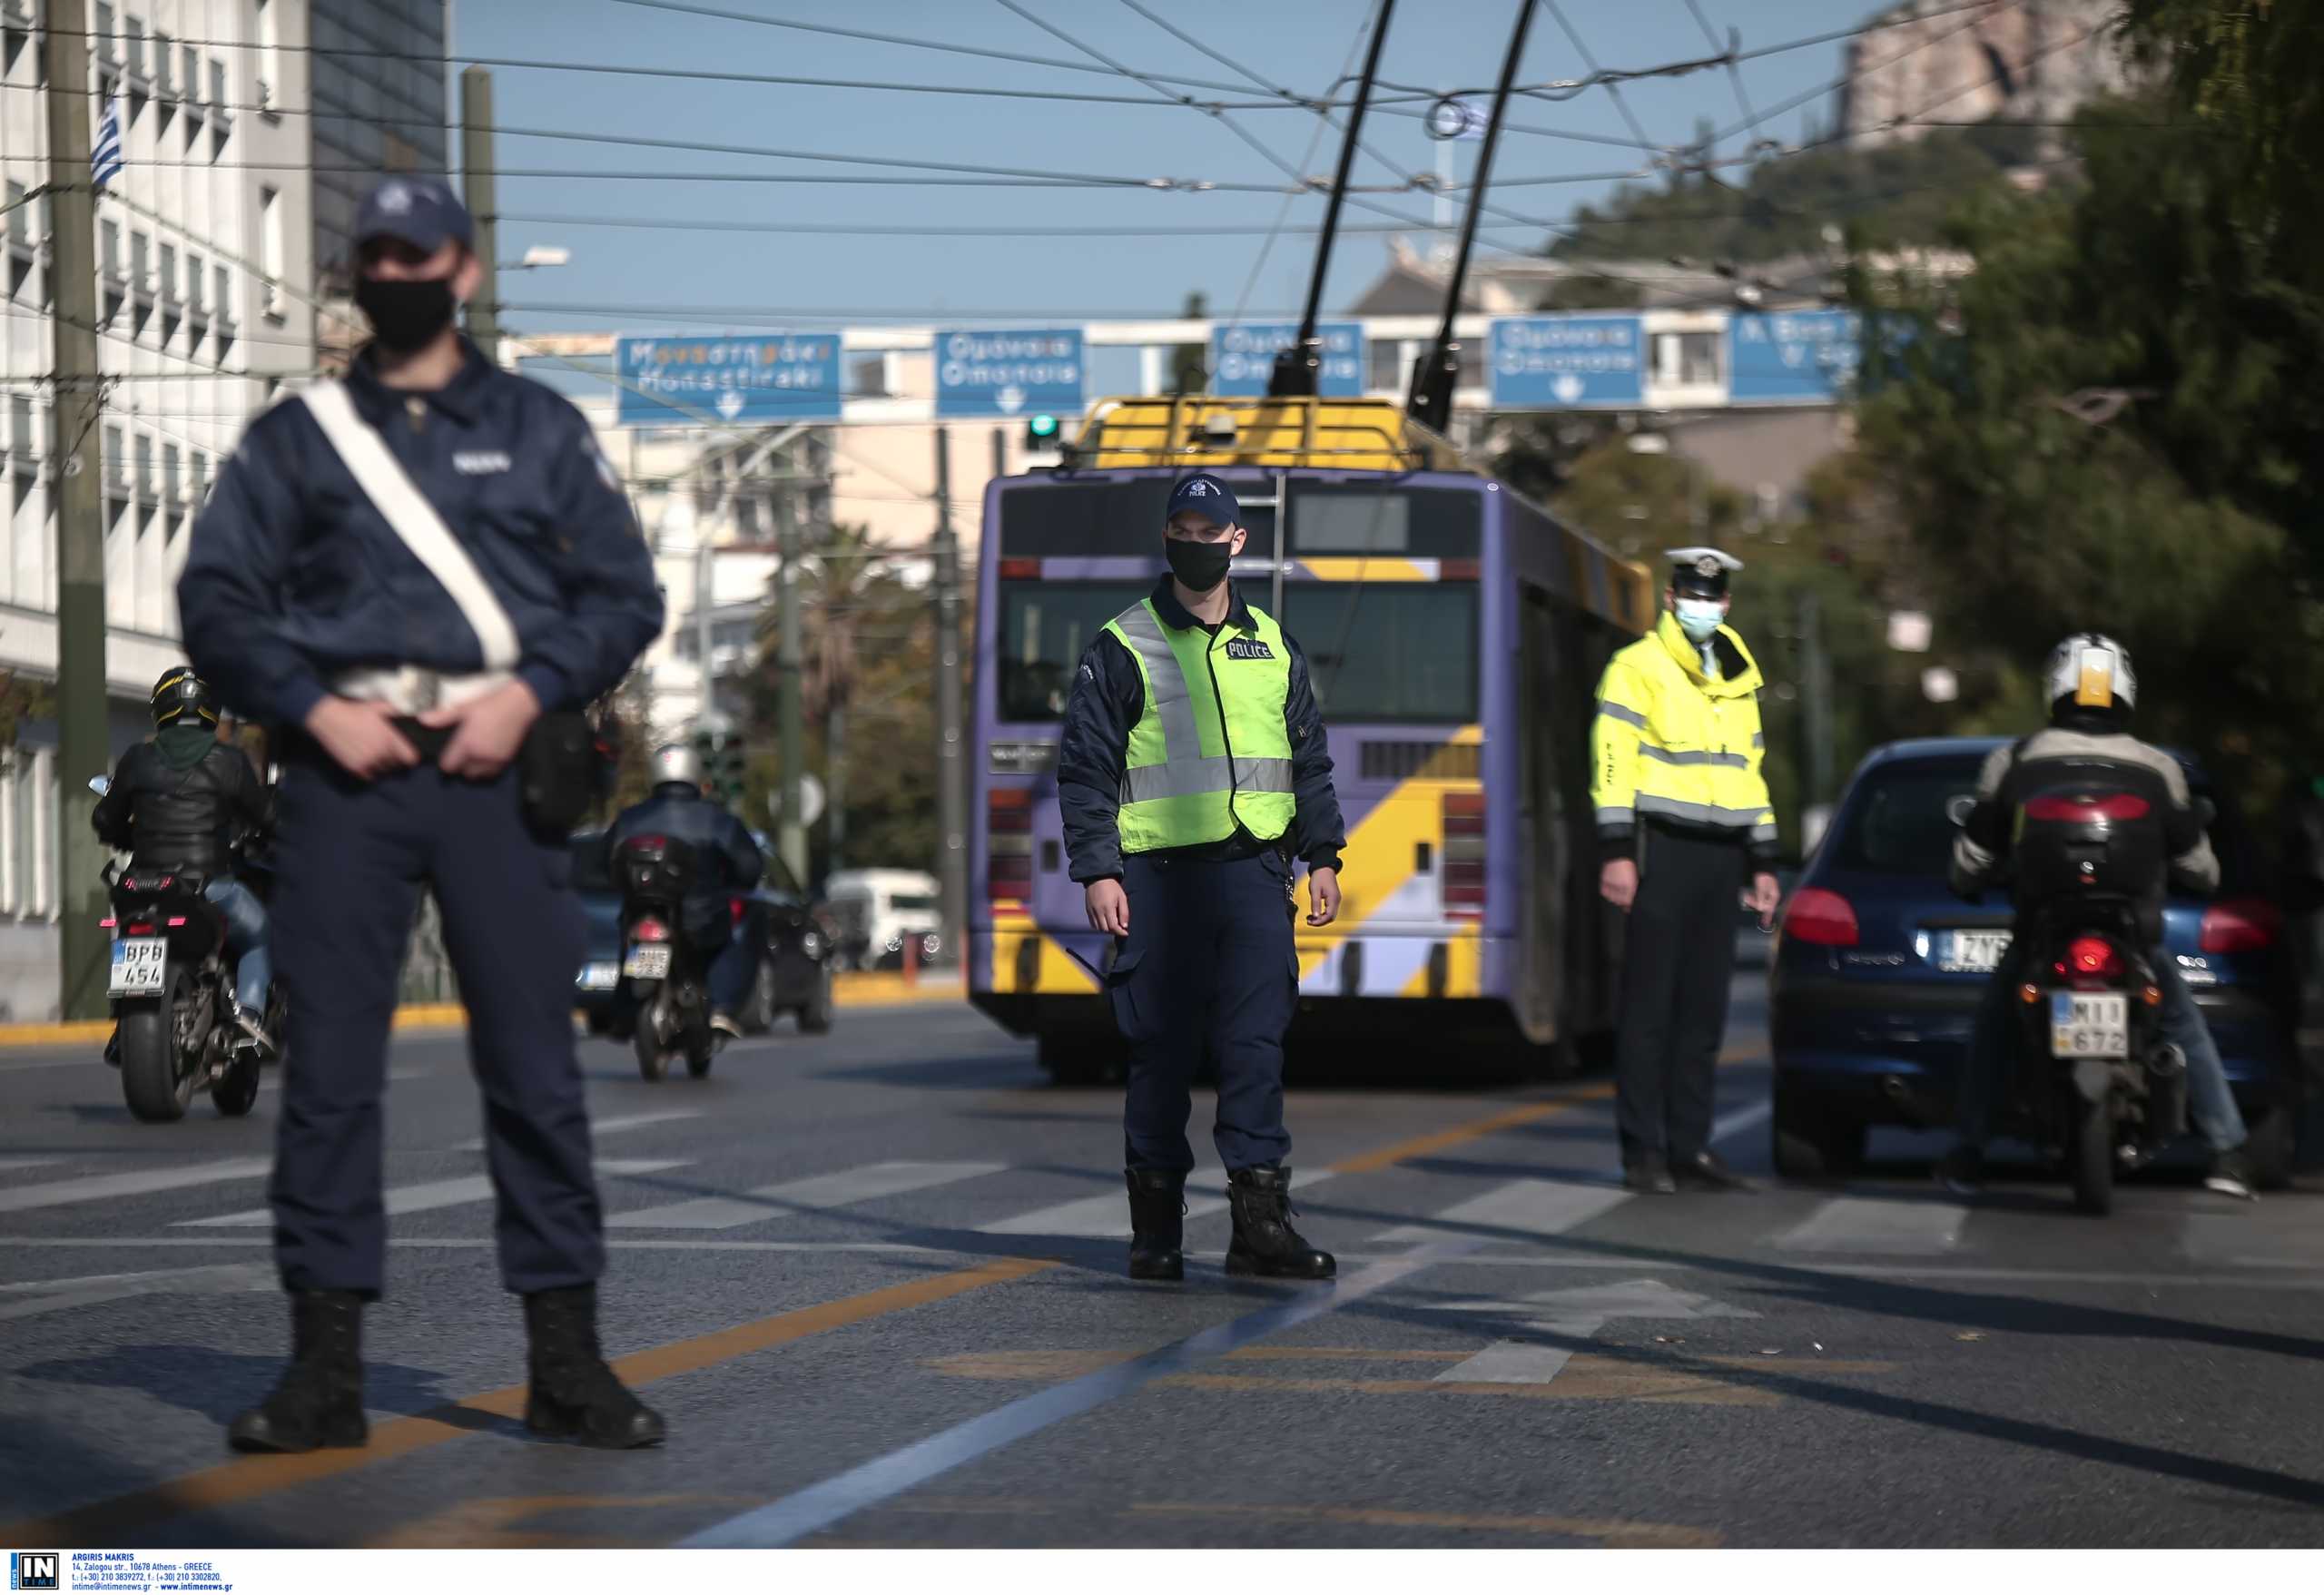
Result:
1674,744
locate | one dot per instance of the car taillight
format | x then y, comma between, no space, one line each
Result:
650,931
2091,957
1462,883
2082,811
1820,918
1008,844
2241,924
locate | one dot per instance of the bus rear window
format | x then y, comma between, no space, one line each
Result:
1044,628
1387,650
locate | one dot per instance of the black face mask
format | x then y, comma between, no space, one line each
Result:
1201,566
406,316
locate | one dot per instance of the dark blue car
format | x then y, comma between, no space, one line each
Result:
1877,974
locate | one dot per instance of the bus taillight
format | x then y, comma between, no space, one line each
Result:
1009,845
1462,879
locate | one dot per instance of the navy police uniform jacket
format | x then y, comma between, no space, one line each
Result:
294,577
1108,699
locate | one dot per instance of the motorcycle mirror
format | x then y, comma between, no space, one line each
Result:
99,784
1957,809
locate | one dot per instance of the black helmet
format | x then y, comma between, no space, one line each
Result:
181,693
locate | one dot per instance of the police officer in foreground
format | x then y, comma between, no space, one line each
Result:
419,577
1192,769
1684,828
728,864
176,802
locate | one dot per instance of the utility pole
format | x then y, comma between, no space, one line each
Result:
951,789
84,745
1815,705
791,832
476,161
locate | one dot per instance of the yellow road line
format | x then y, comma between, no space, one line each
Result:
1614,1531
246,1478
1443,1140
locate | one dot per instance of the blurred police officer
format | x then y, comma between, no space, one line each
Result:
420,574
1192,768
1684,828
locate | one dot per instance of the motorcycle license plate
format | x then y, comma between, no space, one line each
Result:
599,977
647,963
1976,952
138,962
2090,1024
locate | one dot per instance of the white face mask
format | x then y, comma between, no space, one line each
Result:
1700,618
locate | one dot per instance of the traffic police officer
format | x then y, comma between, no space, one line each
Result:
1683,822
1193,757
406,572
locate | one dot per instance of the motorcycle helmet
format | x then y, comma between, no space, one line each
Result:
677,763
2091,673
183,698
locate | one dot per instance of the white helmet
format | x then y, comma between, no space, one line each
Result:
2092,671
676,762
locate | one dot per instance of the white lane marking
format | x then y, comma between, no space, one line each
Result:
1107,1217
1538,1207
820,1192
10,1163
1510,1362
98,1188
52,1295
1862,1223
609,1126
428,1197
1742,1120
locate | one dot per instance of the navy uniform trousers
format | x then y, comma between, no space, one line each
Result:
1209,964
1677,967
353,856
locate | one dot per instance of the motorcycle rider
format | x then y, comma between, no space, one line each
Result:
729,863
2092,691
175,803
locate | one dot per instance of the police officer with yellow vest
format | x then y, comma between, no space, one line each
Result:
1684,827
1192,769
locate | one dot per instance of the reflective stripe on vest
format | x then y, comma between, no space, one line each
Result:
1210,750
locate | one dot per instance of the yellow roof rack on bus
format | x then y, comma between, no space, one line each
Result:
1194,430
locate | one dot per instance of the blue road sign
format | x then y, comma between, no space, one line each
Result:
1242,357
1565,362
1009,373
1796,357
759,380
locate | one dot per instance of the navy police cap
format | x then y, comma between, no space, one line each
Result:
1206,496
420,211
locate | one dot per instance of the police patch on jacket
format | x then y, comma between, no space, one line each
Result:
1247,648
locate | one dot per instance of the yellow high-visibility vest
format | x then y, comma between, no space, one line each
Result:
1210,749
1671,743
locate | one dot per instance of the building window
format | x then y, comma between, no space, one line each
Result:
165,63
218,95
270,54
136,48
201,463
270,248
225,303
194,285
190,59
20,430
108,40
144,448
172,458
115,469
138,256
169,272
109,241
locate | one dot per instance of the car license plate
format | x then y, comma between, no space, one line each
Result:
647,963
1974,952
138,962
2090,1024
602,976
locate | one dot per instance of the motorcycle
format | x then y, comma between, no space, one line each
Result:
171,985
2110,1092
668,966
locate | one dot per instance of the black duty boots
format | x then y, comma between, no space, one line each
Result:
1158,1209
574,1395
320,1400
1265,1243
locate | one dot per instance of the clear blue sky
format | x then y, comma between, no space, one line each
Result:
799,280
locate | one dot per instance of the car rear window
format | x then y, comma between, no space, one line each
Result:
1897,824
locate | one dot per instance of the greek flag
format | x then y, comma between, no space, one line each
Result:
105,158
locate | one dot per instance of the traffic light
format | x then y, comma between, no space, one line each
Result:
722,765
1043,433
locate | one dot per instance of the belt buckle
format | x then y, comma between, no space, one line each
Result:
426,690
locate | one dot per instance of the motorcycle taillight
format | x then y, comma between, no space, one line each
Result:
650,931
2089,958
143,928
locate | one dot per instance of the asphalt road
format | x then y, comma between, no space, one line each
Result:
873,1280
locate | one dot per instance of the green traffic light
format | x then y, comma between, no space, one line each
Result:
1042,427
